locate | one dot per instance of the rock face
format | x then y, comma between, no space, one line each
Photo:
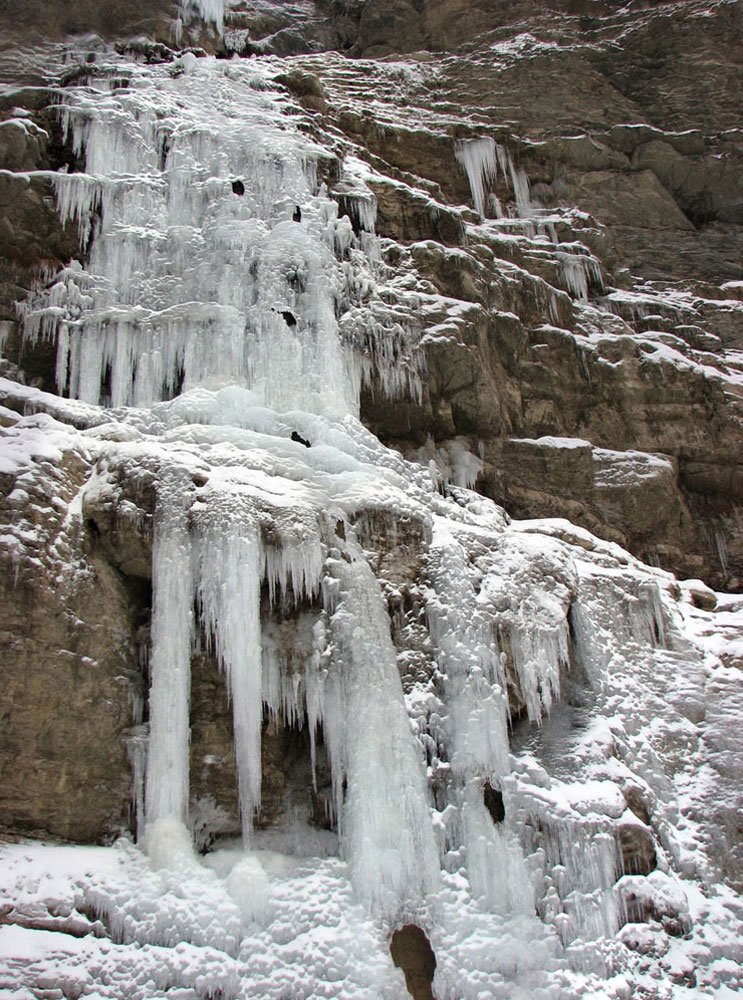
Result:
70,668
549,316
412,953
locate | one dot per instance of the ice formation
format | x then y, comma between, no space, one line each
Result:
175,346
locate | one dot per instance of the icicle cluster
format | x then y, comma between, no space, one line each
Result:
214,255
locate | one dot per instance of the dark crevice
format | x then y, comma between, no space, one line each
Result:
493,799
411,951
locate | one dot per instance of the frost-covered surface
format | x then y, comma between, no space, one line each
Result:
585,692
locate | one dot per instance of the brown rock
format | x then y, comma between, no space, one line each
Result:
71,676
412,952
637,849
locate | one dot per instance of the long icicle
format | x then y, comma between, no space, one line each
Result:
229,588
167,783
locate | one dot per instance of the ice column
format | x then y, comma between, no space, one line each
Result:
385,822
166,789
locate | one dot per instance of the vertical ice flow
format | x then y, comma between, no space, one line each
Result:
187,282
166,790
385,821
477,157
229,591
475,727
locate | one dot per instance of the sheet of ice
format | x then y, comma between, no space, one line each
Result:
197,273
474,729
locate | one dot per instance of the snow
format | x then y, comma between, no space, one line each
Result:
549,441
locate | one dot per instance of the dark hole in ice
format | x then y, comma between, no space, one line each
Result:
238,187
106,386
164,151
296,281
493,799
411,951
174,387
299,439
297,216
289,318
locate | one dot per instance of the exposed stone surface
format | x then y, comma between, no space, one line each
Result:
655,899
70,669
411,951
38,20
637,849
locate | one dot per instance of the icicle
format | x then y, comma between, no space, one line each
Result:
166,790
521,191
135,741
722,550
453,462
78,197
229,591
296,567
208,10
538,653
578,269
477,157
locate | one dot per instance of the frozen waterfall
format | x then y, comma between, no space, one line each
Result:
453,671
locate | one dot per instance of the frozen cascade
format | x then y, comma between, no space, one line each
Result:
262,326
476,728
188,283
386,819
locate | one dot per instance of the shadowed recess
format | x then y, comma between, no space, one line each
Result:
411,951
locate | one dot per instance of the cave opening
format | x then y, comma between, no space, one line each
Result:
412,952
